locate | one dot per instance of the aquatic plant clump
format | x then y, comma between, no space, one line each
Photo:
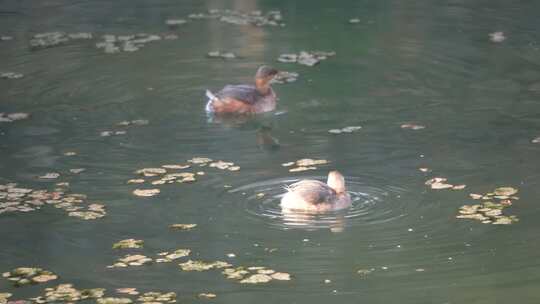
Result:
67,293
306,58
29,275
490,212
256,18
14,199
305,164
11,117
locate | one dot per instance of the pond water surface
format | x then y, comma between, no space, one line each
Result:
429,63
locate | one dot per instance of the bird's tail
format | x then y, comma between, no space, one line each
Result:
211,99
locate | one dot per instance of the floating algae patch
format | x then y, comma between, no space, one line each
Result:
306,58
111,300
67,293
154,297
305,164
256,18
285,77
255,275
182,226
112,44
29,275
131,260
128,243
221,55
491,210
167,257
440,183
52,39
14,199
202,266
411,126
349,129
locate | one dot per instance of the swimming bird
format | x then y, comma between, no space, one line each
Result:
245,98
316,196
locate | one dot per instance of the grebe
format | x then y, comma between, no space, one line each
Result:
316,196
243,98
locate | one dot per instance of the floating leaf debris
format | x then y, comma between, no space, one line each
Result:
11,117
128,243
255,275
207,295
111,300
221,55
349,129
51,39
497,37
14,199
67,293
182,226
411,126
11,75
128,290
29,275
306,58
439,183
131,260
112,44
257,18
285,77
305,164
157,297
490,212
202,266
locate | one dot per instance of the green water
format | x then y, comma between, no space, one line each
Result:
426,62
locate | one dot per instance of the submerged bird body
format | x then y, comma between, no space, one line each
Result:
316,196
244,98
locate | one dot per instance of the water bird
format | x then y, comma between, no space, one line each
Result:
316,196
245,98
